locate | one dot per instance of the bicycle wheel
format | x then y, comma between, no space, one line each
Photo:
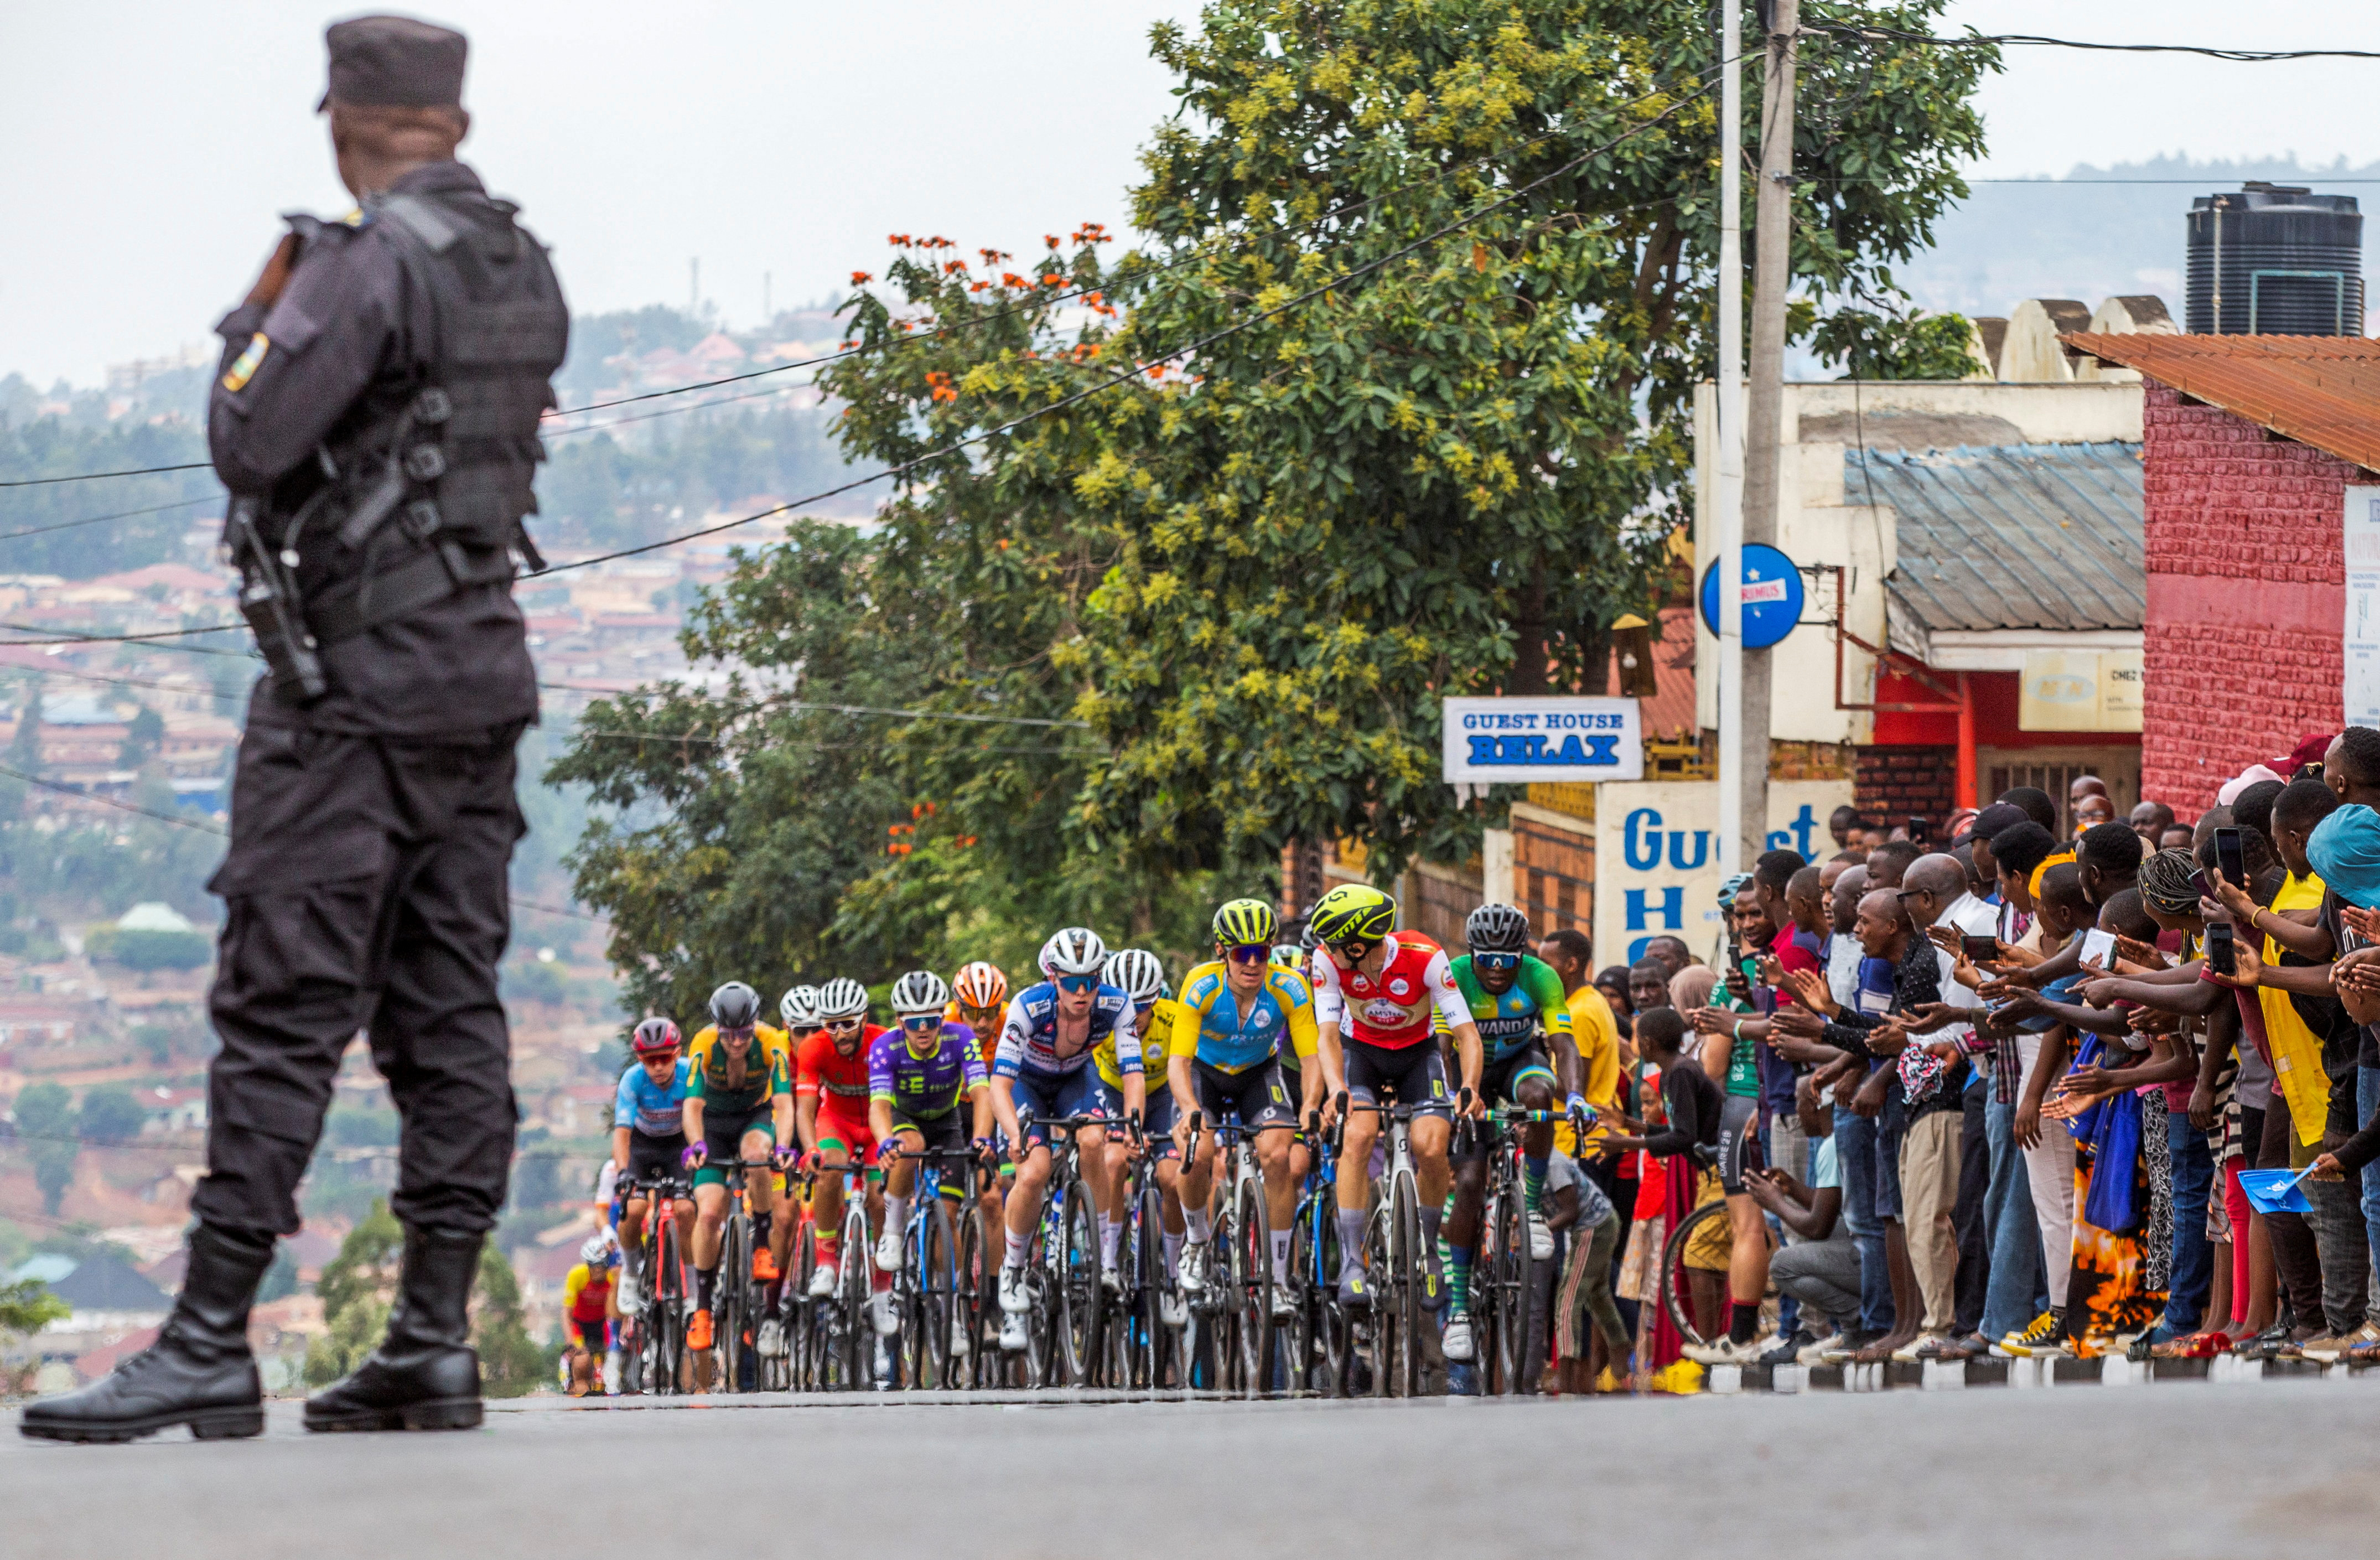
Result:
1385,1327
1148,1333
853,1354
1411,1284
1253,1247
1300,1370
938,1300
665,1309
1509,1275
801,1261
1677,1293
1081,1298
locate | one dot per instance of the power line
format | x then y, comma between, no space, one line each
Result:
112,639
95,520
94,475
203,827
1142,367
1869,32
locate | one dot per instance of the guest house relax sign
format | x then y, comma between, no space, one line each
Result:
1521,741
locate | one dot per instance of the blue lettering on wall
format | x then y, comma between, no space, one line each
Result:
1672,911
1799,835
1678,849
1641,839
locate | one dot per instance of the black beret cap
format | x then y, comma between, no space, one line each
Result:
395,62
1998,816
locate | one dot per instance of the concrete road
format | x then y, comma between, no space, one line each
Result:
2175,1470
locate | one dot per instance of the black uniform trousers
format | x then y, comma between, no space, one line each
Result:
365,890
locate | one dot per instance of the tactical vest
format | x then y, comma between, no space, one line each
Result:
427,486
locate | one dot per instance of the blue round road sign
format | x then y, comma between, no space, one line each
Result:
1772,596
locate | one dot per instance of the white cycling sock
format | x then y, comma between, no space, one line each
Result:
1016,1245
896,1211
1172,1244
1110,1235
1200,1227
1280,1256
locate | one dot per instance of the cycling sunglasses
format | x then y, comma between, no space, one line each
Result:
1354,950
743,1033
843,1025
922,1023
1497,962
1075,985
1249,953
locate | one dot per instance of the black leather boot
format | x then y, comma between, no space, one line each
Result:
198,1372
425,1374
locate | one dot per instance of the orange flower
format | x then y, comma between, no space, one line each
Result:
1011,279
1051,239
977,287
1051,279
860,278
950,266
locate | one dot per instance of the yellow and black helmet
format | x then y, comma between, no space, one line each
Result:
1353,912
1245,921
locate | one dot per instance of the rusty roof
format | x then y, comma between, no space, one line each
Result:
2320,390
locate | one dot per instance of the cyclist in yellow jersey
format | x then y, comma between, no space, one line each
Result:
1233,1010
1138,973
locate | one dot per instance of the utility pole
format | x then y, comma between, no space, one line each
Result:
1772,234
1728,531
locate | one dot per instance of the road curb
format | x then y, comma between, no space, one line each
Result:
1956,1376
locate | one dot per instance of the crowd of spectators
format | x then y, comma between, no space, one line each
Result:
1997,1095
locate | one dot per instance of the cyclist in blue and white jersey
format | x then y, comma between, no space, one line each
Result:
1043,1065
647,1137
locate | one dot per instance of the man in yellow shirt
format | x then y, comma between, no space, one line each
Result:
1594,1029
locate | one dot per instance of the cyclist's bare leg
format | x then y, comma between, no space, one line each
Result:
632,1224
1023,1210
761,1189
1433,1175
710,1210
1355,1192
826,1207
1747,1266
1281,1186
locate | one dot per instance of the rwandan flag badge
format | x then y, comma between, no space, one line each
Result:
243,368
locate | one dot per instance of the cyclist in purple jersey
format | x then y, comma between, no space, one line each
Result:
919,1078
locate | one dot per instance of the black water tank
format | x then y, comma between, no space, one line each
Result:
2287,262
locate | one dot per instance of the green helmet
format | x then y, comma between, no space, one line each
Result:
1353,912
1243,921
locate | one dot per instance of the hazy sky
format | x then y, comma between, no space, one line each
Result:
150,144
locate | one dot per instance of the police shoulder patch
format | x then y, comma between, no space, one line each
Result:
243,368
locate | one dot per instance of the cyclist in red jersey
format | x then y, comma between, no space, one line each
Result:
1376,990
831,1108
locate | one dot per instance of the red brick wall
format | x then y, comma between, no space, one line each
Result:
2246,597
1891,783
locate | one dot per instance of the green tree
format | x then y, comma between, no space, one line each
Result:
141,738
109,1114
26,1307
1911,344
356,1288
511,1363
45,1118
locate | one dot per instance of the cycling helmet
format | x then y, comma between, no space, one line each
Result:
841,997
920,991
1306,939
1076,951
597,1252
1353,912
979,985
1243,921
1734,886
1288,955
1497,929
736,1006
1137,971
654,1036
798,1007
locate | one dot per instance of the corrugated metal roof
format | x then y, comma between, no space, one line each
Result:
2010,536
2320,390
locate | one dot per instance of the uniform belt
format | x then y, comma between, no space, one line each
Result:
348,610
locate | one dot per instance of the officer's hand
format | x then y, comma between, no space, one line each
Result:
276,275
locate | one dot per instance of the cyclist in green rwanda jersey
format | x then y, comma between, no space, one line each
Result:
1514,997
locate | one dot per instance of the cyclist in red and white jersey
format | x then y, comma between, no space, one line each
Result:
1376,990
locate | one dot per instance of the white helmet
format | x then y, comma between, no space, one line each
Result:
597,1252
920,991
1076,951
842,998
798,1007
1137,971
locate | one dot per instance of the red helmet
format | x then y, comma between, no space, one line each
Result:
654,1036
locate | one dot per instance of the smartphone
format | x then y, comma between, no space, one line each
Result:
2230,859
2220,955
1979,950
1918,830
2099,946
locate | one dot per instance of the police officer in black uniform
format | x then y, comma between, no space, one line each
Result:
376,422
